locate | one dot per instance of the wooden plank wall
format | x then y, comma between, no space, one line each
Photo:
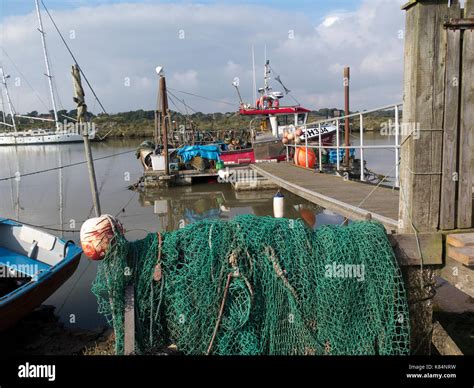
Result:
451,124
421,151
464,216
456,190
435,167
436,181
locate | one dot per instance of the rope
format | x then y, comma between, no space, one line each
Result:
203,97
64,166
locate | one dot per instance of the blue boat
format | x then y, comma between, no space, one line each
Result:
33,265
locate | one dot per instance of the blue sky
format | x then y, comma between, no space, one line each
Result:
203,47
312,7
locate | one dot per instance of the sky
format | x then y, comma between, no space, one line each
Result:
203,46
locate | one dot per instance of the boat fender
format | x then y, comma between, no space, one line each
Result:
279,205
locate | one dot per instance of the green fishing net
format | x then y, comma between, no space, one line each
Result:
259,286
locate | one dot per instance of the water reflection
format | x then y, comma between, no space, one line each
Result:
61,199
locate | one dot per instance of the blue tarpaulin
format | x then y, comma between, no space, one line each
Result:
211,152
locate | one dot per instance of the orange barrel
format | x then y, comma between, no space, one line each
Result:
300,157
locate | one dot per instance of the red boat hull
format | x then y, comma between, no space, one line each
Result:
245,156
266,150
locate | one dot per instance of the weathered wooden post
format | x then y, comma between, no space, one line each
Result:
165,120
421,151
81,121
435,176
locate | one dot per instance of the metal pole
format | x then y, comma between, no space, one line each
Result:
164,110
397,149
306,145
347,77
338,165
9,101
46,60
254,84
81,118
362,177
61,197
320,150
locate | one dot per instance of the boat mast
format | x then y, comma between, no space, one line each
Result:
253,75
267,75
46,60
10,106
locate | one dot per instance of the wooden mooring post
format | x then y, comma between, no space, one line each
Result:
435,165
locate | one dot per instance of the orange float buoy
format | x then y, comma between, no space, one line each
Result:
300,157
96,235
308,216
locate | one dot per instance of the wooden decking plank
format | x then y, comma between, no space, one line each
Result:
463,255
347,198
460,240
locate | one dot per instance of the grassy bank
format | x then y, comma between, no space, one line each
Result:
141,124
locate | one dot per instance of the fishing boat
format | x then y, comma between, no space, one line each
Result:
33,265
275,121
58,134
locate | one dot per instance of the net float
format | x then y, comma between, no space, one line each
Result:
290,136
300,157
96,235
299,132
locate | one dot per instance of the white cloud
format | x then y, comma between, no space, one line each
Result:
127,41
187,80
330,20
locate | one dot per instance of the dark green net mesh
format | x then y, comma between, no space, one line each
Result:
259,286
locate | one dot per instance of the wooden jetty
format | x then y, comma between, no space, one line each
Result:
153,179
351,199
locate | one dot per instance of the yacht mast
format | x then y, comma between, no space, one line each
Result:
10,106
46,60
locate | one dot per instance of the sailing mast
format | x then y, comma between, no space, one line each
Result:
10,106
253,77
46,60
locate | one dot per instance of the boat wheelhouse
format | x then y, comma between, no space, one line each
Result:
275,121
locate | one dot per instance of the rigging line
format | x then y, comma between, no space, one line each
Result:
122,210
26,80
203,97
176,106
56,97
73,57
65,166
182,102
289,93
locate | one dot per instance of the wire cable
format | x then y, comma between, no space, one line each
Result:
203,97
64,166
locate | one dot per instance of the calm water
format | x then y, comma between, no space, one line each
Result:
35,199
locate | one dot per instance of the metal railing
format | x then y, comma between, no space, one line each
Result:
361,147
